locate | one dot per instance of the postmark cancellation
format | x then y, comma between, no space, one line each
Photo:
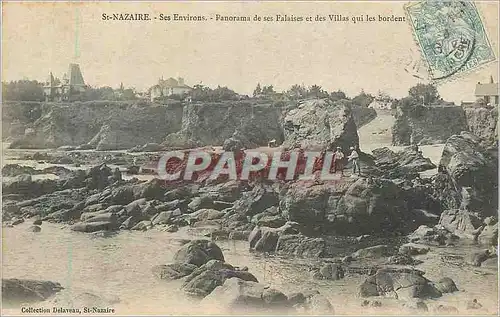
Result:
450,36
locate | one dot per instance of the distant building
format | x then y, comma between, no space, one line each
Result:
488,92
169,87
380,104
71,85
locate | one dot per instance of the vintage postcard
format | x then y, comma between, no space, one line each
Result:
250,158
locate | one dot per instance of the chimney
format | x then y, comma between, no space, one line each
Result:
180,81
491,79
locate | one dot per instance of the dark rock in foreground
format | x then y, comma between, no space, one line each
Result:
407,161
203,280
18,291
399,283
198,252
173,271
237,296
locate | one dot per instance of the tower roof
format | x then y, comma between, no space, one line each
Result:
75,75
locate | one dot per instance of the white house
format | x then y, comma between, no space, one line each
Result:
169,87
380,104
488,92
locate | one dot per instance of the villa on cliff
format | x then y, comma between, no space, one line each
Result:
72,84
486,95
169,87
488,92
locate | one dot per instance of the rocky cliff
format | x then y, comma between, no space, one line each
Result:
103,125
483,122
17,117
318,123
362,115
427,124
213,123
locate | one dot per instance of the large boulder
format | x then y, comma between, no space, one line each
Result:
173,271
18,291
94,226
237,296
489,235
299,245
407,161
316,123
461,222
352,207
203,280
437,235
256,201
399,283
472,174
198,252
25,186
12,170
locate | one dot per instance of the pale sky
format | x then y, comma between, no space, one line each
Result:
41,37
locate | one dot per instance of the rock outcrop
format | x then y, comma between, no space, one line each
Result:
18,291
362,115
483,122
397,165
471,174
417,124
211,124
399,283
105,125
351,207
320,123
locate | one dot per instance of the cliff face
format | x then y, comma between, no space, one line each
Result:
362,115
318,123
427,125
17,117
105,125
213,123
483,122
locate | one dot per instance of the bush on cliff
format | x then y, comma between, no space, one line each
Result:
428,93
204,93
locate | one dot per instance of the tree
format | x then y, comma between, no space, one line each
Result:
23,90
297,92
203,93
338,95
363,99
428,94
128,94
268,90
257,91
317,92
101,93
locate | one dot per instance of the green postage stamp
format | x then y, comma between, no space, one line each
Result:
450,35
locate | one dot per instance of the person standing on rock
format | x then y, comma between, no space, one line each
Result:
354,157
338,161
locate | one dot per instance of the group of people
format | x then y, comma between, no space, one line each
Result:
339,159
